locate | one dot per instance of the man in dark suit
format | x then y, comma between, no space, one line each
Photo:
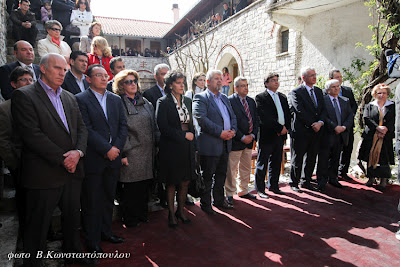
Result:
273,111
307,108
104,116
347,149
25,55
215,124
54,139
75,79
242,144
338,120
116,65
154,93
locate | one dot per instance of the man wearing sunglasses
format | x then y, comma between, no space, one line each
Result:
104,116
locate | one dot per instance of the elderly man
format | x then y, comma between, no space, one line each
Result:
347,149
116,65
215,124
157,91
273,111
338,120
244,108
104,116
54,139
75,79
307,108
24,23
25,55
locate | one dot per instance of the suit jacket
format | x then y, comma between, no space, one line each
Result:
348,92
5,71
110,84
330,120
303,111
10,145
45,138
209,123
153,94
71,85
266,109
243,121
103,133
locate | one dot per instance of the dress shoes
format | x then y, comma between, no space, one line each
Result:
277,191
296,189
230,200
248,196
345,177
224,206
209,210
335,183
308,186
184,220
113,239
262,195
321,188
94,249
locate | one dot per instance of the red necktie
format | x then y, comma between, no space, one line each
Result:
247,110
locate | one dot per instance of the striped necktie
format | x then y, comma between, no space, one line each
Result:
247,110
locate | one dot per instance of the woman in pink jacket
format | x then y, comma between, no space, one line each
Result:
226,80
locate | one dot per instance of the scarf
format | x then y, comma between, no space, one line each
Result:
376,145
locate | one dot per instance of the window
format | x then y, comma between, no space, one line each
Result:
155,45
133,44
284,41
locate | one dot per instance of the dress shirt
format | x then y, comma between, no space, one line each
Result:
79,82
56,101
277,102
222,108
162,90
102,100
309,93
30,66
241,99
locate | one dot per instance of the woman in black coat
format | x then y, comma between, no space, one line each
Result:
379,118
175,122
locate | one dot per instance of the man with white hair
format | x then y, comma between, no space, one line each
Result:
307,108
154,93
338,120
215,124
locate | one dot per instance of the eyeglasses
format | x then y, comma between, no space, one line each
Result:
25,80
129,82
55,29
104,76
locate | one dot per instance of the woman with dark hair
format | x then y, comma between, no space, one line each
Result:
175,122
139,150
81,17
86,41
198,84
226,80
377,144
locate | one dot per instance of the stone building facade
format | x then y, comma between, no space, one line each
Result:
250,42
3,32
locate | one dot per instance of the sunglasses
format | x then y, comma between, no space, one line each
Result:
55,29
84,3
128,82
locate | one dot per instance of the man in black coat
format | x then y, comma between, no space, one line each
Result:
307,109
338,120
227,11
25,55
75,79
347,149
117,64
24,23
244,108
104,116
154,93
273,111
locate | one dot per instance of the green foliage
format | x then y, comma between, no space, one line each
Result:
321,80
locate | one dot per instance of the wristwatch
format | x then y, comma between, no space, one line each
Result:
80,153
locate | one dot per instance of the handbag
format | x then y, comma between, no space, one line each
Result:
73,30
381,171
197,187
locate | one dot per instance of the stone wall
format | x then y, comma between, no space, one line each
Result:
3,32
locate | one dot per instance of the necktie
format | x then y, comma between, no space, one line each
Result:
313,97
337,111
247,110
281,116
31,68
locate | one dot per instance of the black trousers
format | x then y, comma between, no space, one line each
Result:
134,199
328,159
346,155
98,195
22,33
270,155
20,199
304,152
40,204
214,175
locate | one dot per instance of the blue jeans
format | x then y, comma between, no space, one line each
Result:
225,89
